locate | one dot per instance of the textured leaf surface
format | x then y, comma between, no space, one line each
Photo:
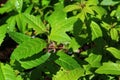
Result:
11,23
92,2
67,62
8,6
115,52
36,62
29,9
35,23
60,25
58,33
18,37
109,2
18,5
96,31
94,60
6,72
2,33
109,68
71,8
99,10
28,48
69,75
118,13
21,23
114,34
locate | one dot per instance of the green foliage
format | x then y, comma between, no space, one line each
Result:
60,40
20,39
109,68
34,63
6,72
25,50
3,29
63,61
69,75
96,31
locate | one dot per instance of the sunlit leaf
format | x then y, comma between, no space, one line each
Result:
45,2
69,74
118,13
21,23
74,45
92,2
18,5
99,10
35,23
114,34
28,48
115,52
71,8
109,2
96,31
6,72
33,63
19,37
109,68
94,60
60,24
82,15
89,10
3,30
29,9
7,7
66,61
11,23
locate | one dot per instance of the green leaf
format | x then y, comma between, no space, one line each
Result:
118,13
19,37
71,8
96,31
58,33
115,52
21,23
82,15
109,68
8,6
114,34
35,23
92,2
45,2
94,60
74,74
99,10
33,63
11,23
106,26
19,77
74,45
66,61
57,16
109,2
18,5
3,30
35,1
6,72
28,48
89,10
60,24
29,9
87,69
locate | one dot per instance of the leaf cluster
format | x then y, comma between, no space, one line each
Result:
60,40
